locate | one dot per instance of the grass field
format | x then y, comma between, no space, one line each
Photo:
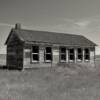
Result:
72,82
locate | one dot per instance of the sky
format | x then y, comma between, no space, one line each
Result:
66,16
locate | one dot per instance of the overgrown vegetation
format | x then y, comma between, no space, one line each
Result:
71,82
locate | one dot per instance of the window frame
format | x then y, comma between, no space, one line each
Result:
87,54
79,54
48,53
71,54
61,53
34,53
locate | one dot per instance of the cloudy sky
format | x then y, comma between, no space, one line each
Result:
70,16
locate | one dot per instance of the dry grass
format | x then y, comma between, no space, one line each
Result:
68,83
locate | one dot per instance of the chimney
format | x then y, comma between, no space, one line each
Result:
17,26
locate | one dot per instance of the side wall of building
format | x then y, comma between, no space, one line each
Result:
27,61
14,53
11,56
27,57
92,55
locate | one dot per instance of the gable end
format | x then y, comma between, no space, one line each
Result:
12,36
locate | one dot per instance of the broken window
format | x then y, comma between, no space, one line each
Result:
35,53
63,54
86,54
79,54
71,54
48,54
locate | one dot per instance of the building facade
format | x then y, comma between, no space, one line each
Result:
28,49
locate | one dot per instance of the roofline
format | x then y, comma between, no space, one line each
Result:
8,36
90,40
39,42
11,32
53,32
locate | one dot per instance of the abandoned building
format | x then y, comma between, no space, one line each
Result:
30,48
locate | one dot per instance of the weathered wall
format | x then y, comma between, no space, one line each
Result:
14,52
92,55
55,52
27,62
11,56
14,56
41,54
26,55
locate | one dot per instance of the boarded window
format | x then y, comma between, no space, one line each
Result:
48,54
62,54
79,54
71,54
35,53
86,54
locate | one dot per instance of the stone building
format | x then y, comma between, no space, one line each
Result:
31,48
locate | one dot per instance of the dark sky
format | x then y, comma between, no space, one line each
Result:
70,16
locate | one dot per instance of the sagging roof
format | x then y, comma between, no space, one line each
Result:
52,37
